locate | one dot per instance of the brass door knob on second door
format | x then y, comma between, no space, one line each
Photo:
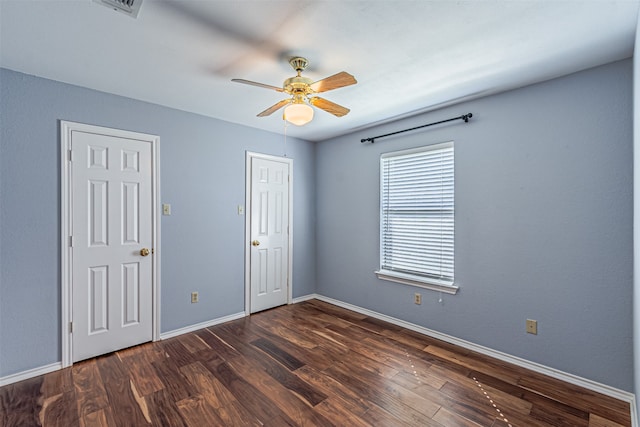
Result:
255,243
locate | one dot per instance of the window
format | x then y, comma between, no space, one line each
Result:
417,217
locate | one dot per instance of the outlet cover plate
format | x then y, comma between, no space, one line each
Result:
532,326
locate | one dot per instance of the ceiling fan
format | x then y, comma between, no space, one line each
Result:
302,90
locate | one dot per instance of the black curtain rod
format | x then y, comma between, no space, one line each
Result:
464,117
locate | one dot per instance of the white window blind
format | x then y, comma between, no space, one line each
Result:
417,214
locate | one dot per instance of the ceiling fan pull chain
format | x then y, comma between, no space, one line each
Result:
285,134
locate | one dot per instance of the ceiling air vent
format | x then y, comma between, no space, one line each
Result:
128,7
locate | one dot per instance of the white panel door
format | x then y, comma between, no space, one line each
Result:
269,238
112,230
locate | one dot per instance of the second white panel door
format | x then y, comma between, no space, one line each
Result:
269,233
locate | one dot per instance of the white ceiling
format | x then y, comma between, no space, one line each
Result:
408,56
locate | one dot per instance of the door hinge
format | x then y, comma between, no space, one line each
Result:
71,155
70,241
70,327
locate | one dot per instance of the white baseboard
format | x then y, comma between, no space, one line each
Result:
25,375
536,367
305,298
191,328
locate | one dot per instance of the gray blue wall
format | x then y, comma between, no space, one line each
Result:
202,177
543,223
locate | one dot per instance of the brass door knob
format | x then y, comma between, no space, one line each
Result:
144,252
255,243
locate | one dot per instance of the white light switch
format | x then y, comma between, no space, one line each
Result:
166,209
240,210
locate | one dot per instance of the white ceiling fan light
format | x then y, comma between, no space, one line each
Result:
298,114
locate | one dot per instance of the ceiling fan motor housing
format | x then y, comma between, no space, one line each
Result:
298,84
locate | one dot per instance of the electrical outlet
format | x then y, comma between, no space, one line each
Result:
532,327
194,297
417,299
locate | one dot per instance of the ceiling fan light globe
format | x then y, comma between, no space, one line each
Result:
298,114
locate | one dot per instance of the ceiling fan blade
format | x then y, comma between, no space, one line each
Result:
328,106
249,82
336,81
274,108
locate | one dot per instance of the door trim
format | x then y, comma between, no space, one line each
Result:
247,227
66,302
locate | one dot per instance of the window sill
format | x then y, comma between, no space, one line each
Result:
406,279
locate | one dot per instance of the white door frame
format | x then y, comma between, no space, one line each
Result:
66,128
247,228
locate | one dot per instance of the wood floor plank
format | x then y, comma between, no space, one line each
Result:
140,365
20,403
557,417
163,409
280,355
339,415
338,392
99,418
57,382
223,402
119,382
474,364
259,404
296,408
278,367
334,310
196,411
193,343
58,410
174,382
598,421
389,398
283,327
178,353
412,380
316,356
91,395
606,407
218,347
481,390
377,416
449,418
311,363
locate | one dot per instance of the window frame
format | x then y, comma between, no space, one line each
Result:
432,283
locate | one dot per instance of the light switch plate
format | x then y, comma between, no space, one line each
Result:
240,209
166,209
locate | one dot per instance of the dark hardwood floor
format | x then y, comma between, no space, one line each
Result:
306,364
